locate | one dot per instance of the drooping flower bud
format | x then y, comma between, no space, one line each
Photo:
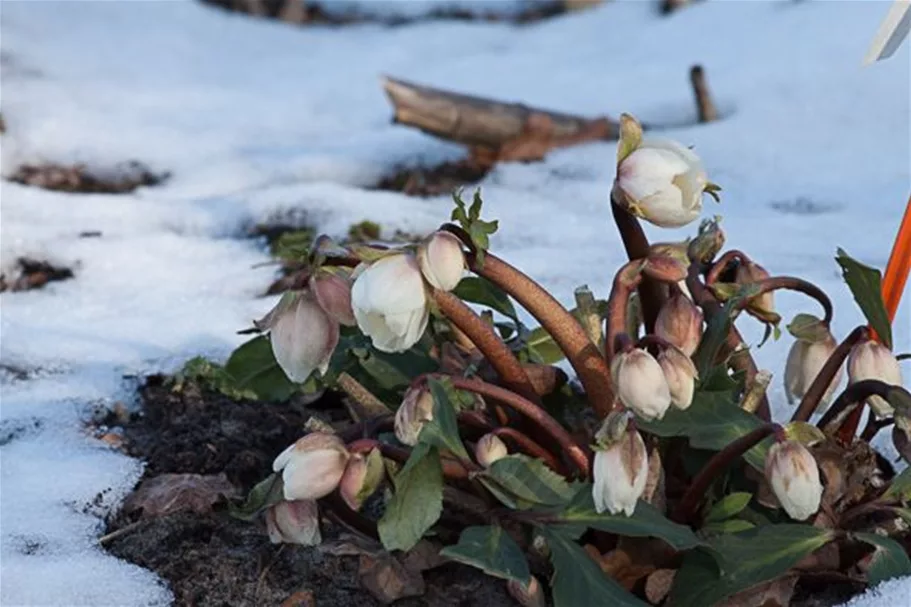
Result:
361,478
680,323
442,260
333,292
416,409
681,375
489,449
530,595
302,334
312,467
871,360
390,302
794,477
762,306
805,360
620,467
640,384
294,522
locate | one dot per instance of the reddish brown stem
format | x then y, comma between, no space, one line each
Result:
794,284
824,378
854,394
626,280
718,268
536,414
874,426
483,336
452,469
529,447
686,508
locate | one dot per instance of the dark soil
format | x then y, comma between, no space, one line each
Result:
214,559
33,274
435,180
80,179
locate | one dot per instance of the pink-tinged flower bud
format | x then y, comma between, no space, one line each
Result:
662,182
640,384
303,336
416,410
442,260
681,375
489,449
312,467
390,302
794,477
531,595
362,476
333,292
763,305
680,322
620,467
872,360
295,522
805,360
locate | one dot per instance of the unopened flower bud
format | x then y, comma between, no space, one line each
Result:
680,323
871,360
416,409
708,242
620,467
293,522
361,478
640,384
302,334
762,306
333,292
530,595
681,375
442,260
489,449
794,477
805,360
312,467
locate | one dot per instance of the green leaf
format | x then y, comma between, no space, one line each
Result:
544,347
376,471
528,480
578,580
746,559
394,371
730,505
866,286
716,332
805,433
732,525
901,486
253,368
889,560
481,291
630,137
265,493
646,521
808,328
417,502
443,430
491,550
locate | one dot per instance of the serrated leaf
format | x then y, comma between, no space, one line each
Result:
491,550
578,580
476,289
646,521
265,493
443,430
730,505
253,368
866,286
808,328
805,433
417,502
889,560
901,486
528,480
746,559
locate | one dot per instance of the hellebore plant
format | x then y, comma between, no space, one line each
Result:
464,435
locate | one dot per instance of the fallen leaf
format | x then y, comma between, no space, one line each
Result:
167,493
425,555
387,579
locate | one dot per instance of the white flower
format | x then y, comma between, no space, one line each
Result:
620,471
302,334
662,182
442,260
295,522
680,322
872,360
640,383
489,449
312,467
416,409
390,302
805,360
680,373
794,477
333,292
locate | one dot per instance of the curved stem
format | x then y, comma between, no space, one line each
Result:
483,336
854,394
626,279
823,379
718,268
539,416
529,447
686,508
874,426
451,468
572,339
794,284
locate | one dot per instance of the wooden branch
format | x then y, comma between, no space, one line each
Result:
495,131
704,104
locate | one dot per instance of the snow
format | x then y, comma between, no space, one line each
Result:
255,118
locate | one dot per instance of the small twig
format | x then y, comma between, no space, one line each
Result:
824,378
369,405
113,535
704,104
755,391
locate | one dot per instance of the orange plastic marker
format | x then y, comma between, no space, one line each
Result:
899,265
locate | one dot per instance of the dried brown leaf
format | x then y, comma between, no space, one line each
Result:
167,493
387,579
